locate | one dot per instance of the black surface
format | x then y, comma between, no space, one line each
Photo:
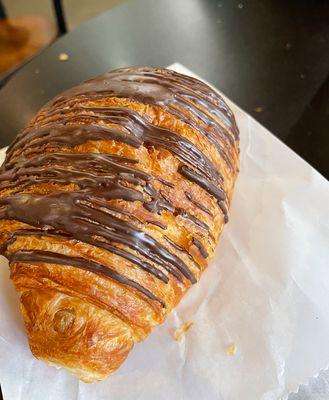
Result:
309,137
268,55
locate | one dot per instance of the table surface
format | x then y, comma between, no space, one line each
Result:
271,57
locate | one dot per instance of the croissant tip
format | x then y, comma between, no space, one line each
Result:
67,332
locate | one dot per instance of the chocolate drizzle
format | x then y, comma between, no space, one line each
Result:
161,87
201,247
197,204
68,136
211,188
180,248
55,258
197,221
84,217
83,212
144,133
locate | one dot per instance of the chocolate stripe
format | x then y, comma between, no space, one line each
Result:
27,256
74,214
206,185
147,133
86,239
69,135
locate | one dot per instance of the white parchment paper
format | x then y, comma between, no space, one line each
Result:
267,291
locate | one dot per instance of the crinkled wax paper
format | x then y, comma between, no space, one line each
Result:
266,291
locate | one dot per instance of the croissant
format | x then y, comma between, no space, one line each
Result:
112,200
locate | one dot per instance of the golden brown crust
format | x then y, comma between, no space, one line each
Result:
75,316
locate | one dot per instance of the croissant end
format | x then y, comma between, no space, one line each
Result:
67,332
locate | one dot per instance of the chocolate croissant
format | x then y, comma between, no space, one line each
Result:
112,200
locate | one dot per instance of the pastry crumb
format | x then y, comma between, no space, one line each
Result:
181,331
258,109
231,350
63,57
